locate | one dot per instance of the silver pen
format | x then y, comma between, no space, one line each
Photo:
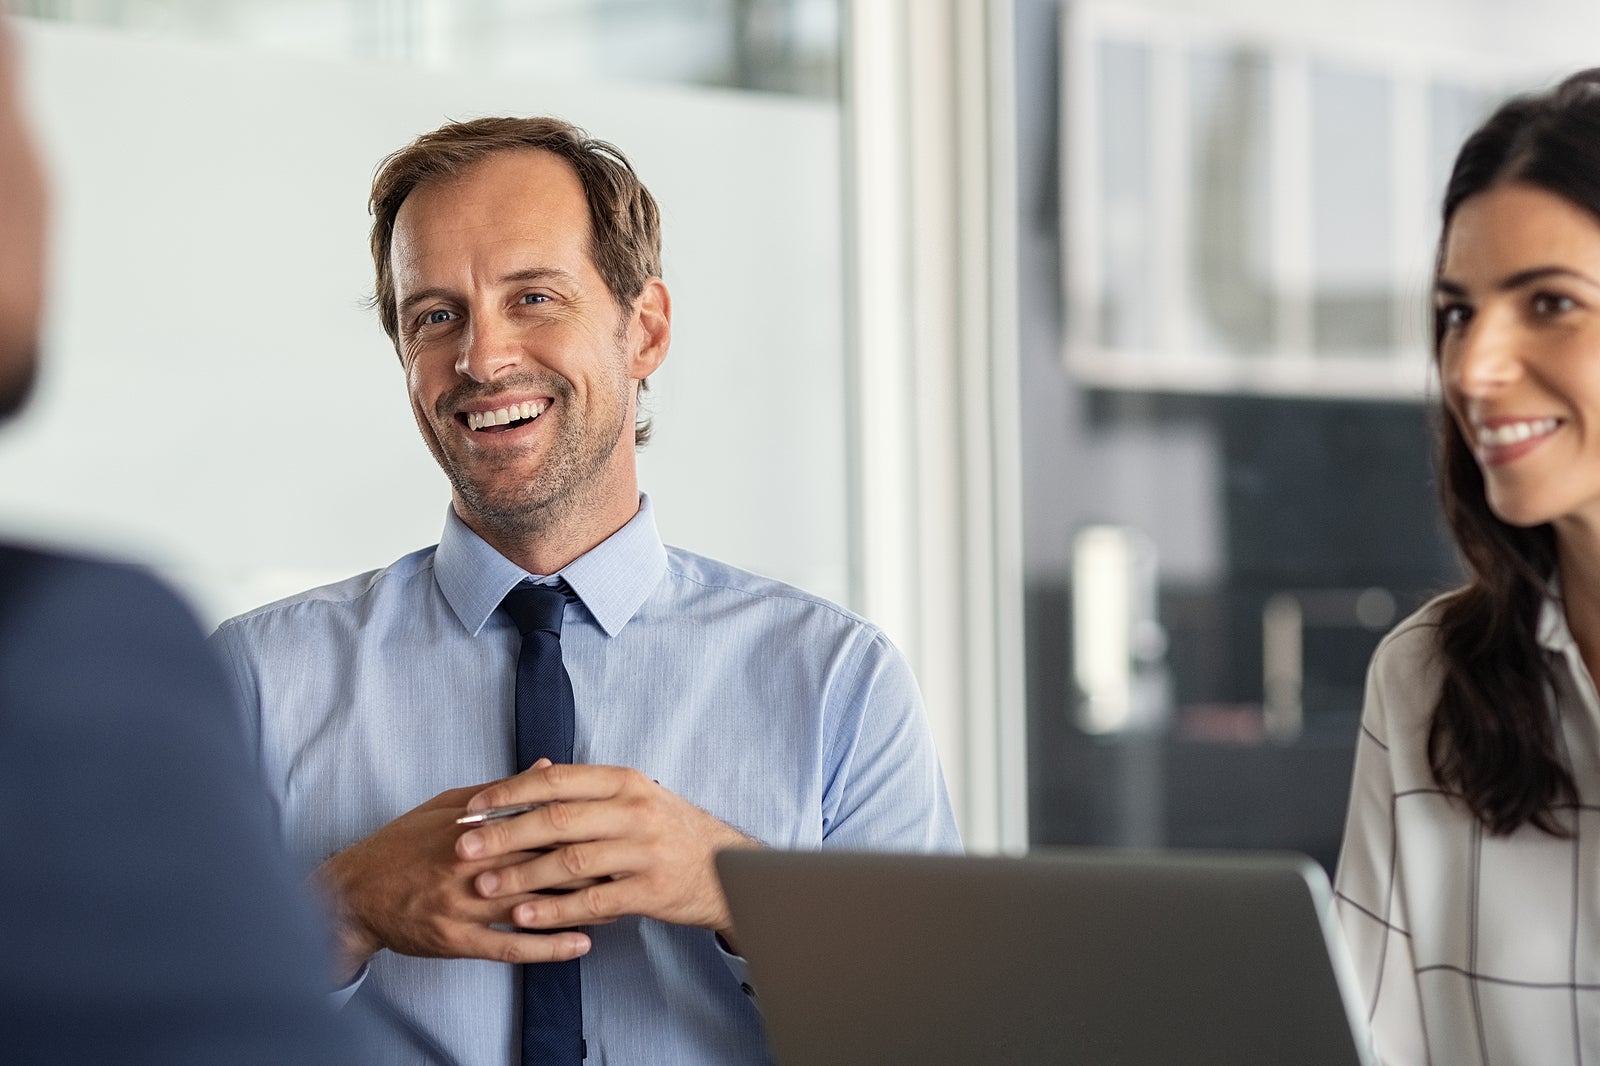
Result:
494,814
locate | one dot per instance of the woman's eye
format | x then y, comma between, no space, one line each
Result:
433,318
1547,304
1454,316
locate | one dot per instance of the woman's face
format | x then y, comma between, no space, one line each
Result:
22,238
1519,358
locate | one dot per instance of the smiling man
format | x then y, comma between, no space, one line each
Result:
693,706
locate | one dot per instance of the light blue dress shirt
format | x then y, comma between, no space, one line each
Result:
780,713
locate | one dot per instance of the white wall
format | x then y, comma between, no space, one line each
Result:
218,400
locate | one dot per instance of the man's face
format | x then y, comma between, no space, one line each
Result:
22,237
522,369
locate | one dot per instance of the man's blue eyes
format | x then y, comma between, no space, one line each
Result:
441,316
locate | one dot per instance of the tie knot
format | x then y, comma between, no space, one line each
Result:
536,608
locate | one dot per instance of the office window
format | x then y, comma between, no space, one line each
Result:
1127,234
1228,502
1233,302
1352,188
1248,216
1453,111
780,46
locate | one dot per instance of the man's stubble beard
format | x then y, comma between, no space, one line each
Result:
565,483
569,479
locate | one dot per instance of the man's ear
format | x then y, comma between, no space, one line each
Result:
652,329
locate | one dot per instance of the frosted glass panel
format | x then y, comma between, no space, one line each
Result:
785,46
1230,216
1453,112
1126,316
1351,186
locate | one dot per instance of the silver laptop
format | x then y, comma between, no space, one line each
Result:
1100,957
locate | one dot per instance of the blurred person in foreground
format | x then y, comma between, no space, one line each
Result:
1469,886
147,915
518,275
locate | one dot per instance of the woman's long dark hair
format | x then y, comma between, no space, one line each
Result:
1494,735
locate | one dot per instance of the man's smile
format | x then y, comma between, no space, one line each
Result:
508,417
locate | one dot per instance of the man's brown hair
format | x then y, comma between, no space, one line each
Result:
624,222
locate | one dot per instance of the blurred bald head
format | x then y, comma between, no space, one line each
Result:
22,237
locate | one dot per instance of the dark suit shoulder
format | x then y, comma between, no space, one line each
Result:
45,592
89,645
146,906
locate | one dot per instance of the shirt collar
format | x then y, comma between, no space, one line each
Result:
612,579
1553,632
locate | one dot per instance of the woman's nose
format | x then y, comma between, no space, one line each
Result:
1484,358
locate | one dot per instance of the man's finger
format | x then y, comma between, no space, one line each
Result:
476,910
569,867
564,822
458,797
500,946
594,905
561,781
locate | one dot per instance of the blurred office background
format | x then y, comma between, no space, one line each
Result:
1080,344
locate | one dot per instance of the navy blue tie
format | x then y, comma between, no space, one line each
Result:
552,998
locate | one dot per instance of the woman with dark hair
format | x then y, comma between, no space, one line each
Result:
1469,883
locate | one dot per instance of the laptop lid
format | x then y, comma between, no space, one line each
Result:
1101,957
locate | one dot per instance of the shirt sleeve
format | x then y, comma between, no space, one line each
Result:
228,645
885,789
1369,896
737,966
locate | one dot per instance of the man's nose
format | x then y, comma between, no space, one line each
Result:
1487,356
488,348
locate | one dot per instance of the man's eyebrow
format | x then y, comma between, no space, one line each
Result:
538,274
423,296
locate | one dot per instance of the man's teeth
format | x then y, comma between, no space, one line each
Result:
505,415
1513,432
